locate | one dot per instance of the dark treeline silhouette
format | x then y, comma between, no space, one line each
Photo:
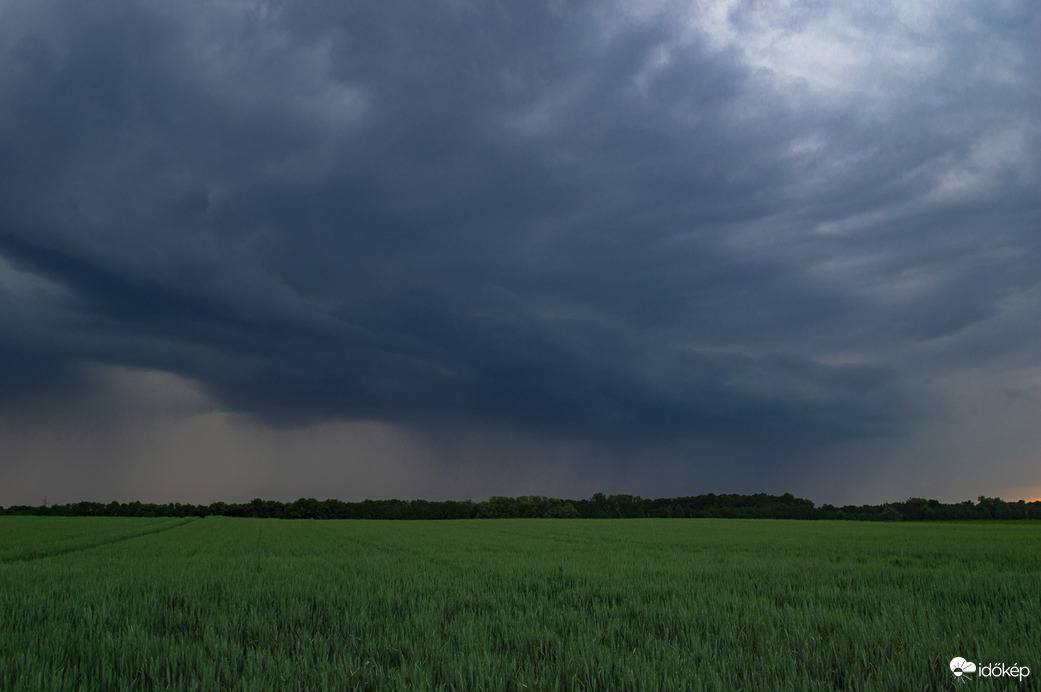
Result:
599,506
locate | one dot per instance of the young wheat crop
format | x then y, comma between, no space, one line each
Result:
251,604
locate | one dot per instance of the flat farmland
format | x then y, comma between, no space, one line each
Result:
639,604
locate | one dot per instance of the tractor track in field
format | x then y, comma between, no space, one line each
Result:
32,555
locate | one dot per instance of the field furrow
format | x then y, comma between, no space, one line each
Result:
32,538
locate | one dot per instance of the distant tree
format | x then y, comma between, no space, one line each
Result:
219,509
601,506
565,511
304,508
497,507
992,508
334,509
891,514
624,506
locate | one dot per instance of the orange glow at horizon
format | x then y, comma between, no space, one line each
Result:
1025,493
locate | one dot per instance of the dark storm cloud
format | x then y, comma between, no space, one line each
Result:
558,218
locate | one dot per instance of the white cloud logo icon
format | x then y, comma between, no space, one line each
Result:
959,666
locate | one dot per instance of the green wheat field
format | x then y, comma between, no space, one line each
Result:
527,604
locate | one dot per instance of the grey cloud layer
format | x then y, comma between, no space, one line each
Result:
565,220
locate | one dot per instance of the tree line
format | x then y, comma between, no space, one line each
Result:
599,506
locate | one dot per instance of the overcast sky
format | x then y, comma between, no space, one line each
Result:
457,249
